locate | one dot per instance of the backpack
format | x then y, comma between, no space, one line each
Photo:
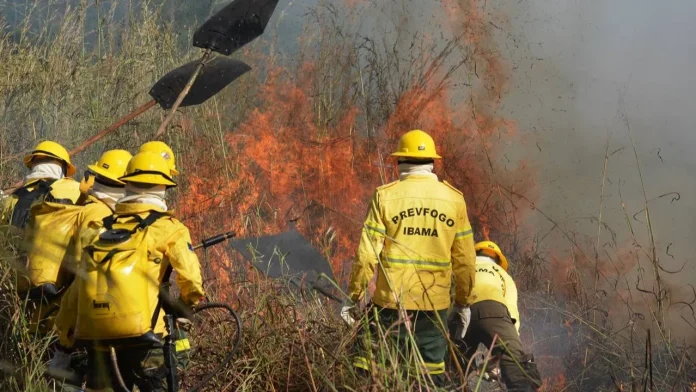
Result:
116,294
25,198
50,253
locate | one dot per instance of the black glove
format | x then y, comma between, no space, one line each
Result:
177,307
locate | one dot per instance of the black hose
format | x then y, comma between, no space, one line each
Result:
235,347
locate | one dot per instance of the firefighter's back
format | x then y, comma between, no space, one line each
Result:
421,215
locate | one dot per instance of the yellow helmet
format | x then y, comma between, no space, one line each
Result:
490,248
416,144
51,150
148,168
164,150
112,165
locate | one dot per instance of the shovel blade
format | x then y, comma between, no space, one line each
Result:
234,26
216,75
287,255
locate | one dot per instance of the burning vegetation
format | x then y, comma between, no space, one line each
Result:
301,142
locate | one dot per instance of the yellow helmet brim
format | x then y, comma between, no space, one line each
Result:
149,178
70,168
503,262
417,155
104,173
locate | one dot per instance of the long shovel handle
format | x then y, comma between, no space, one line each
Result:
118,124
183,93
111,128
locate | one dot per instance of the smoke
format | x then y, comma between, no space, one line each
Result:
584,73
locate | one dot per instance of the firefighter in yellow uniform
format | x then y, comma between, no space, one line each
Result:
494,312
43,207
49,177
125,312
104,191
417,237
166,152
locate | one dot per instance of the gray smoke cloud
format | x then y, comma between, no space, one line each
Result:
581,69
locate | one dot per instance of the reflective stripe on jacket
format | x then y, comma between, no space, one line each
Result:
420,229
494,284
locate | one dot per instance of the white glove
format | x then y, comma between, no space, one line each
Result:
184,324
60,360
346,314
463,318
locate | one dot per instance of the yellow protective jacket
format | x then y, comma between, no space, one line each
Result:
169,243
417,235
494,284
94,210
48,235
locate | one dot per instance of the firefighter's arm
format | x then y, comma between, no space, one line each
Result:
463,258
188,269
67,317
371,244
511,300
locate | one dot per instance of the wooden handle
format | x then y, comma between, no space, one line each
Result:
183,93
111,128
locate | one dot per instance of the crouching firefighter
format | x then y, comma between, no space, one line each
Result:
494,312
119,276
417,237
